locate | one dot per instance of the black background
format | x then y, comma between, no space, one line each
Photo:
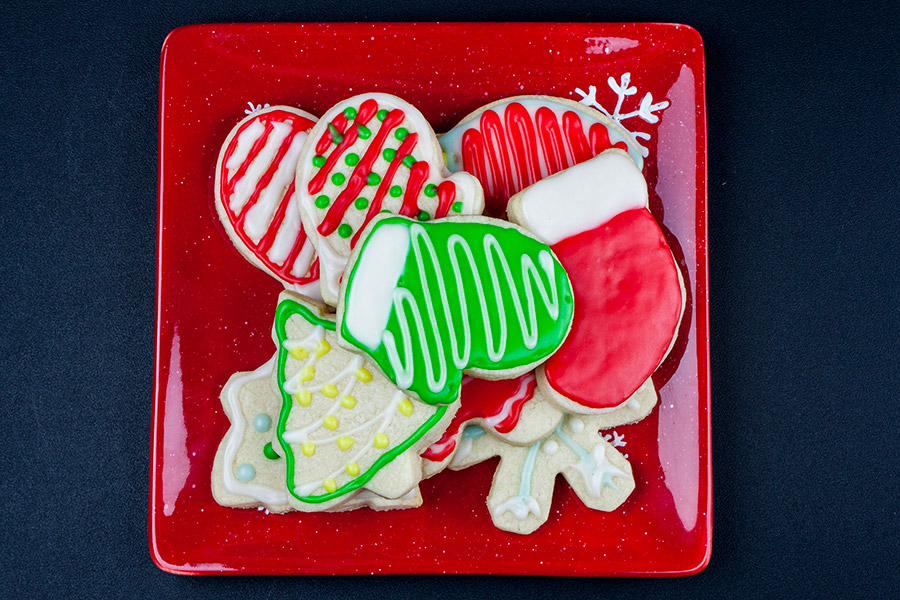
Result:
804,254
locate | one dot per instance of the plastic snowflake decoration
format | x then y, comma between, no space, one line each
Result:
623,89
254,107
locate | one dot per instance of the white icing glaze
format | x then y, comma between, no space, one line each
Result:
582,197
235,435
243,189
370,298
245,142
550,447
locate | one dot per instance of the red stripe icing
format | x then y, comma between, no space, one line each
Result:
498,157
298,125
485,399
357,179
418,175
473,157
340,123
403,151
627,306
574,130
446,194
551,140
523,145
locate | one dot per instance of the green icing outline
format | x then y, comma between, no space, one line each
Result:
285,310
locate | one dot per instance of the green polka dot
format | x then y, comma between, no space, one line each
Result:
350,112
336,136
345,231
456,207
318,161
423,215
338,179
396,191
364,132
389,154
323,201
401,133
431,190
409,161
381,114
270,452
373,179
351,159
361,203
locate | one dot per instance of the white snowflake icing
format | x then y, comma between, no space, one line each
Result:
615,439
623,89
254,107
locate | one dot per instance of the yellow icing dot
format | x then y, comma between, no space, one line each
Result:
308,448
304,397
329,485
345,442
348,401
381,440
307,373
323,348
363,375
405,407
352,469
330,422
329,390
299,352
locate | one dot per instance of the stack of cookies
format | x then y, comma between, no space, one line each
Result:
502,290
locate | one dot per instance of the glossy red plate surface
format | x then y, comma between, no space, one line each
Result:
215,310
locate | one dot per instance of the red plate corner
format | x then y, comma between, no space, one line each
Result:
215,310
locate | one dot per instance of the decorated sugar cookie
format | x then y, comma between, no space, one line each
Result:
256,198
628,290
511,409
342,426
513,143
368,154
248,470
428,301
522,489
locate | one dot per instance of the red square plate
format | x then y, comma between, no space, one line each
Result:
215,310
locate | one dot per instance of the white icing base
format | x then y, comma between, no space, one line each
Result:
582,197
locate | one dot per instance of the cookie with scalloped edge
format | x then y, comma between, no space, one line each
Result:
255,195
368,154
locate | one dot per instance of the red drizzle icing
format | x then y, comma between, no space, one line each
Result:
483,399
299,125
505,154
627,306
418,175
446,194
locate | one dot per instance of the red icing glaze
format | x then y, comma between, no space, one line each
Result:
340,123
482,398
357,180
505,154
418,175
627,306
446,194
300,125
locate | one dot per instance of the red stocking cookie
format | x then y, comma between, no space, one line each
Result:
255,196
629,296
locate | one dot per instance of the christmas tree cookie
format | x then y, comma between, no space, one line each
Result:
248,470
515,142
628,289
342,425
369,154
256,200
428,301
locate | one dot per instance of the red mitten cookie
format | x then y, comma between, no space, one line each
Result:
629,296
256,200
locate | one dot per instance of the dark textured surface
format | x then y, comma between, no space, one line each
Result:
803,117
